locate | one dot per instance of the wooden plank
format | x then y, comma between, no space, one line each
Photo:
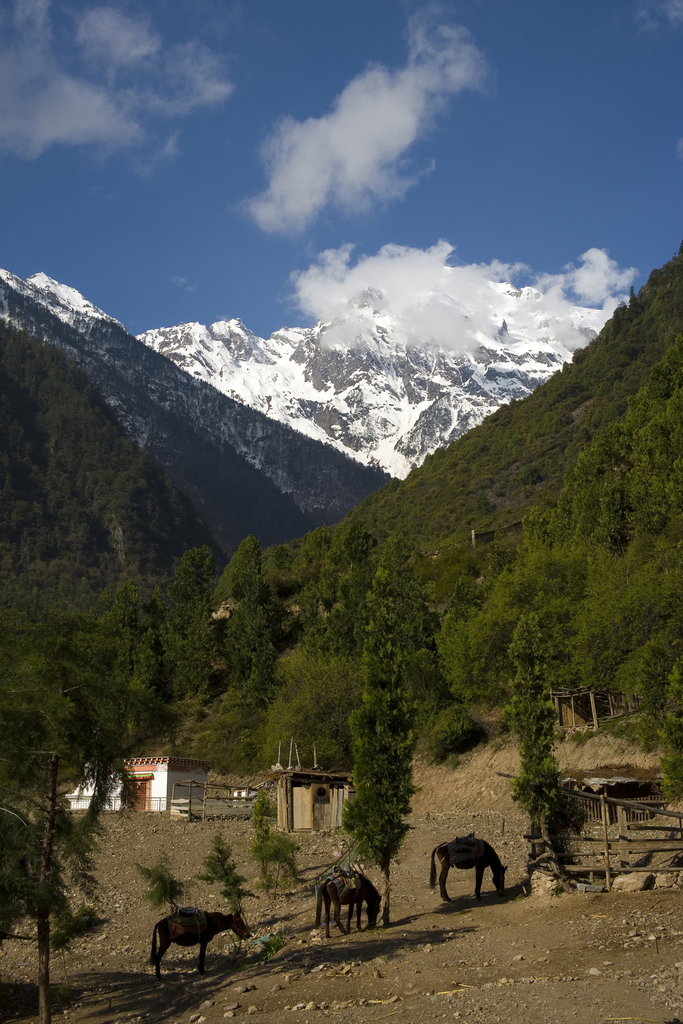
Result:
605,812
595,713
599,869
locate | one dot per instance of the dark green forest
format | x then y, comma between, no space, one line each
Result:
591,464
82,507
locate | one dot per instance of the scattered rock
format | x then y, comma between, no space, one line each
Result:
229,1013
298,1006
376,973
206,1005
231,1006
666,880
276,988
633,882
311,1006
594,971
252,1009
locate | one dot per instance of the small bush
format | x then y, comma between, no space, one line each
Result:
453,732
162,887
64,929
220,867
273,851
270,945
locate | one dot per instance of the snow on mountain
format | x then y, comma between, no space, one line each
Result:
64,302
365,385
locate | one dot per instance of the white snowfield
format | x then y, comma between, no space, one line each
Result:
366,382
384,398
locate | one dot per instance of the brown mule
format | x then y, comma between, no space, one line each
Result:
488,859
215,923
364,892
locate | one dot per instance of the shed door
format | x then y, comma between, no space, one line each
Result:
321,807
301,799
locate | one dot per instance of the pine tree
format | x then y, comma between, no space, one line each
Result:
220,867
531,717
383,741
69,711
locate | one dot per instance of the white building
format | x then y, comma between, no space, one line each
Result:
150,783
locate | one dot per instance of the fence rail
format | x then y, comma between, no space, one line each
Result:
628,815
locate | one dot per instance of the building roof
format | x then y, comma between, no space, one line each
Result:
309,775
178,763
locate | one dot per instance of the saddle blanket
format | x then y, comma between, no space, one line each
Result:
344,883
183,923
465,848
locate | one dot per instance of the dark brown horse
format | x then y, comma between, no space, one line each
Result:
364,892
488,859
215,923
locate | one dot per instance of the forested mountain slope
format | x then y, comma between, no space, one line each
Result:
597,577
81,506
518,456
244,472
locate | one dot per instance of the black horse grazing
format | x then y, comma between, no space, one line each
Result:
467,853
189,929
364,892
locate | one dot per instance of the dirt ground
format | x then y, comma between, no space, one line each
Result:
535,958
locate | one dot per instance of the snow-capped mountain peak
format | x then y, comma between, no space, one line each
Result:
63,301
375,385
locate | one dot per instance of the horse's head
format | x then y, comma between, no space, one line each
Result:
240,926
373,904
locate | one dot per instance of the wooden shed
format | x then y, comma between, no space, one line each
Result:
585,708
310,800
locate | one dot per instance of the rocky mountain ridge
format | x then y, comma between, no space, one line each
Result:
363,385
246,473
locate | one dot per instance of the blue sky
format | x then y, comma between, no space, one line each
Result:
181,160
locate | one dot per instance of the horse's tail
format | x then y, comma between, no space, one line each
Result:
154,944
432,873
318,903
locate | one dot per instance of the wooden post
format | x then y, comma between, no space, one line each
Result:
558,712
204,805
595,713
290,805
605,834
573,713
624,858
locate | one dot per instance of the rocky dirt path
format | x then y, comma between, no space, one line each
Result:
533,959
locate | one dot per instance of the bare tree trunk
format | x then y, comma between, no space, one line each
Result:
44,1012
386,895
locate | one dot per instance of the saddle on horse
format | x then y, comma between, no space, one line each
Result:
465,848
345,882
187,921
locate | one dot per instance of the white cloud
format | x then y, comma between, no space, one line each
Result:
651,13
599,281
353,155
107,35
107,89
454,307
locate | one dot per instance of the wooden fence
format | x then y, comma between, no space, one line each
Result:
202,803
602,855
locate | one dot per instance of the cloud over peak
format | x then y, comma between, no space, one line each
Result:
454,307
353,155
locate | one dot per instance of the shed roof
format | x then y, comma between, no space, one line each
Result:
308,775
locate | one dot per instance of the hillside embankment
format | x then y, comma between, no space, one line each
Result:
526,958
